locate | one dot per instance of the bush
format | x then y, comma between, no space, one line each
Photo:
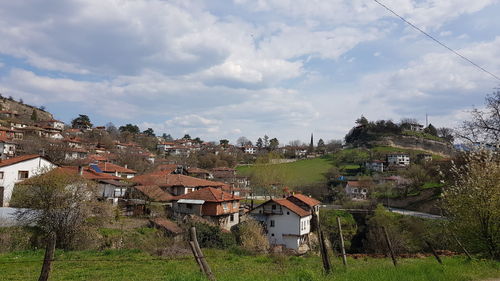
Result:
328,220
210,236
250,235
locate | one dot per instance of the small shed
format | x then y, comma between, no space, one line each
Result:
169,227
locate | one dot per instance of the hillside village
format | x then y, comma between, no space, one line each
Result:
169,185
186,176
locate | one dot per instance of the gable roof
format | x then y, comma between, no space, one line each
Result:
359,184
209,194
89,173
291,206
111,168
15,160
154,192
167,225
311,202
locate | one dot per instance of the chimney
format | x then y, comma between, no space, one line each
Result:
80,170
126,166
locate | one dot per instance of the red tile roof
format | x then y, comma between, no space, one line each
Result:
311,202
165,179
209,194
154,192
359,184
15,160
89,173
291,206
168,225
111,168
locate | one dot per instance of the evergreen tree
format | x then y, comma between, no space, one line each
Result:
34,116
431,130
81,122
311,145
259,143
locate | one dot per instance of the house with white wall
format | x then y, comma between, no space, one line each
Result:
285,222
17,169
398,159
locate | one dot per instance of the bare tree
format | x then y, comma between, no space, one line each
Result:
484,125
242,141
59,204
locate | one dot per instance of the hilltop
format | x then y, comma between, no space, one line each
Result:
21,111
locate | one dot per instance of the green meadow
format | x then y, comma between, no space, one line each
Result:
115,265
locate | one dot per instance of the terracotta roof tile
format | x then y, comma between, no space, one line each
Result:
167,224
88,173
154,192
291,206
111,168
209,194
311,202
18,159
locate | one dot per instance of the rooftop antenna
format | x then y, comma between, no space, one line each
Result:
426,120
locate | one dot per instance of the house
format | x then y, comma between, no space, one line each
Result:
285,222
7,149
375,165
213,204
229,177
199,173
176,184
424,157
75,154
398,159
109,187
358,189
17,169
249,149
113,169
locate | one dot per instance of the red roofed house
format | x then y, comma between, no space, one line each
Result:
17,169
116,170
357,189
176,184
210,203
287,221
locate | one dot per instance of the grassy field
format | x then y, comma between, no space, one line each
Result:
301,172
134,265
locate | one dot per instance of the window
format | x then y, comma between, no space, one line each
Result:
272,234
189,206
271,223
273,207
189,190
231,218
287,213
224,206
22,175
235,205
1,175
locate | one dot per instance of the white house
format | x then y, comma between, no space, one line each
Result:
17,169
7,149
398,159
357,189
285,223
250,149
375,165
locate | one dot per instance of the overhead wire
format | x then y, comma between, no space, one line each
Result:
437,41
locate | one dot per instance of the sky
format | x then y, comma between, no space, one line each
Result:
231,68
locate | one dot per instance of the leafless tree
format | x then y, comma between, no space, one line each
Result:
484,125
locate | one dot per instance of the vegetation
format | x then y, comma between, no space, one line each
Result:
298,173
472,201
113,265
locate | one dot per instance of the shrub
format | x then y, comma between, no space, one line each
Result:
328,220
250,235
211,236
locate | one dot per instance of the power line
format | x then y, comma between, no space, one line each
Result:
437,41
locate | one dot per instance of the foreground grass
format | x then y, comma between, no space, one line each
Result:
134,265
299,173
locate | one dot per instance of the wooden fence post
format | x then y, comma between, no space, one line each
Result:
342,247
434,252
322,246
199,255
461,246
389,245
49,256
